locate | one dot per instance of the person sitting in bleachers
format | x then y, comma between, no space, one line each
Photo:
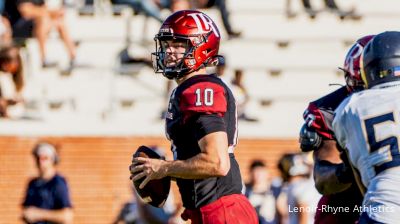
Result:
224,12
299,194
239,91
330,5
5,31
129,213
35,18
2,2
153,8
11,82
263,192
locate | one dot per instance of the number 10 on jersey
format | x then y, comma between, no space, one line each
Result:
205,97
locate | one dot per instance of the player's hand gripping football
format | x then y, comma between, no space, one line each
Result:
146,167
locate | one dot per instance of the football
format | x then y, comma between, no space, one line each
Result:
155,192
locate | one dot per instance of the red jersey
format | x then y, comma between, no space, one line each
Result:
201,105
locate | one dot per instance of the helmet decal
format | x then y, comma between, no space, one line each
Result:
352,66
202,20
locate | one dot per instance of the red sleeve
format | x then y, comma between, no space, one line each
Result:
319,121
203,98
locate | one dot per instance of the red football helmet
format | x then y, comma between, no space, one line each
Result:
201,35
352,64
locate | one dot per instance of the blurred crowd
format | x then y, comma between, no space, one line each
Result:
23,20
275,197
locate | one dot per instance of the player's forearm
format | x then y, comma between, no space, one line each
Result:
212,161
198,167
330,173
64,216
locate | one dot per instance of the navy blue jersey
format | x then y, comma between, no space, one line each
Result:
52,194
201,105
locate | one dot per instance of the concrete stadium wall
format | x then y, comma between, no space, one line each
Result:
97,170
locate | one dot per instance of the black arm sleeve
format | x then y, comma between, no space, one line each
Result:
331,178
208,123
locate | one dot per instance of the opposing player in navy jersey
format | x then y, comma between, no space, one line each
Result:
201,123
367,127
333,178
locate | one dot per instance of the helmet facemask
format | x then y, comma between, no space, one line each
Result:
352,65
185,64
353,84
183,61
352,68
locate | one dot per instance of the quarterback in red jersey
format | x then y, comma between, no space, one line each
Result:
201,123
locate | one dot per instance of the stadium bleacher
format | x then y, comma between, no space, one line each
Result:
286,61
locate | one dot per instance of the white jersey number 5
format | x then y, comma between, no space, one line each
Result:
383,145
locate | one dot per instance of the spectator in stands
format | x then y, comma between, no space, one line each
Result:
30,18
300,194
261,193
129,213
330,5
169,213
239,91
242,95
47,197
11,70
2,3
5,31
153,8
177,5
138,212
224,12
281,202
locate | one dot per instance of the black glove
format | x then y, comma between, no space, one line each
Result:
309,139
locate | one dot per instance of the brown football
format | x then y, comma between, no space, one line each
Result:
155,192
